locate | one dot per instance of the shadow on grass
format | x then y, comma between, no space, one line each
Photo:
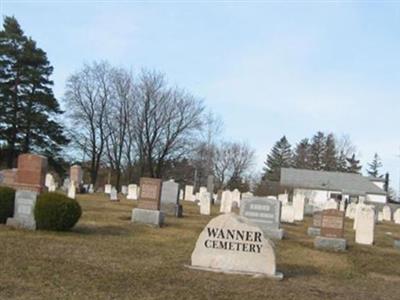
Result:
293,270
101,230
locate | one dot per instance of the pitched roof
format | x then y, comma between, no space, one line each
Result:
347,183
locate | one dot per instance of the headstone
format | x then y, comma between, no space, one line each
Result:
189,193
76,175
396,216
169,198
247,195
351,211
287,215
91,189
298,205
132,192
181,194
65,185
236,197
205,204
231,244
107,188
114,194
265,213
315,229
332,231
226,202
284,198
71,190
365,225
358,208
49,180
331,204
124,190
380,216
8,177
148,210
219,196
387,213
24,205
31,172
342,205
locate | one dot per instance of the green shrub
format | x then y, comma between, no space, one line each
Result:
55,211
7,196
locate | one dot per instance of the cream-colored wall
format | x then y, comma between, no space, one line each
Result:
376,198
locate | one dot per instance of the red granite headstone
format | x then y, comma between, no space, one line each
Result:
31,172
150,193
75,174
332,223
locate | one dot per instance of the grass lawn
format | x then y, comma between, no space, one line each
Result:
108,257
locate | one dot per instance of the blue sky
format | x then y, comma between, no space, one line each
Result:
267,68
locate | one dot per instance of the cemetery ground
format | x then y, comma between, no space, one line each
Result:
108,257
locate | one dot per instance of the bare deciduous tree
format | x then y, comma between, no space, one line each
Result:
119,112
166,121
87,97
232,161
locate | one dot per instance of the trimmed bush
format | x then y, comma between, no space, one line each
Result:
7,196
55,211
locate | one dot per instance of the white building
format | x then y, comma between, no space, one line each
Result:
317,187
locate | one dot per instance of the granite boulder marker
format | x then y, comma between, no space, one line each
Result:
148,209
231,244
265,213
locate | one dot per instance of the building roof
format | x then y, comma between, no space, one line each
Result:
347,183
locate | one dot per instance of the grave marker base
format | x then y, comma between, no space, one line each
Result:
334,244
147,216
277,234
13,222
277,276
313,231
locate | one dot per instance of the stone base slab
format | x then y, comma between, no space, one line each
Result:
147,216
334,244
277,234
276,276
13,222
314,231
396,244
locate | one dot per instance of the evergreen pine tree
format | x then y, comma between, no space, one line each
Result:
374,166
280,157
301,159
317,153
341,162
353,165
29,108
330,155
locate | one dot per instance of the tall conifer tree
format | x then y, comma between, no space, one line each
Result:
28,109
280,157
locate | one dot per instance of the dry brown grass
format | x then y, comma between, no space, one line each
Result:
108,257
